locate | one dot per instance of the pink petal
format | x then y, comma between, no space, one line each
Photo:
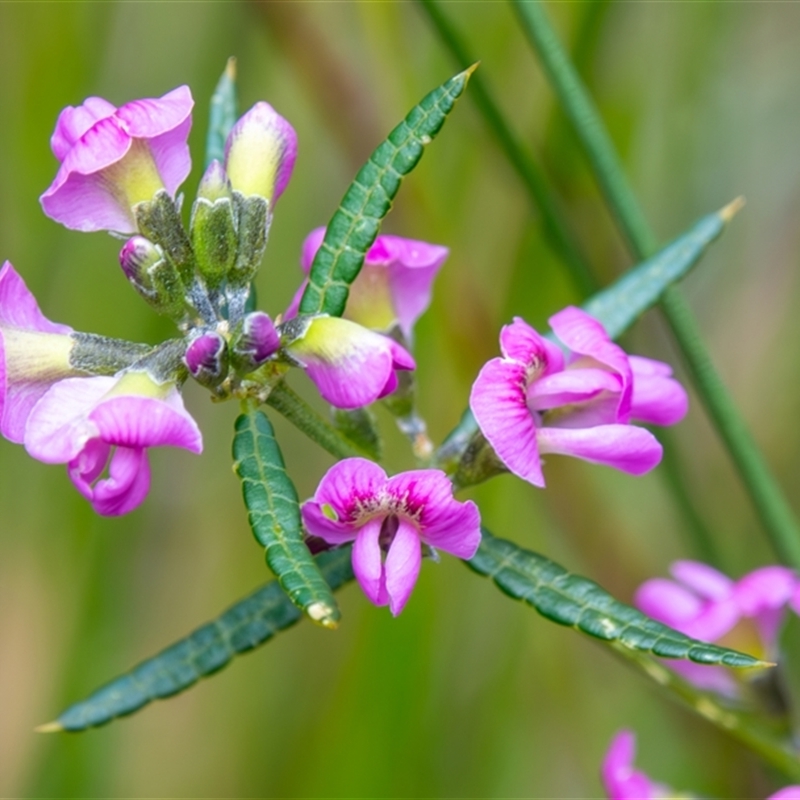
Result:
144,119
172,157
658,399
74,122
715,620
620,780
294,306
58,428
708,678
624,447
368,565
787,793
18,307
402,565
498,402
413,266
136,422
318,524
765,588
703,579
311,244
571,386
520,342
668,602
124,489
79,198
350,485
443,521
586,336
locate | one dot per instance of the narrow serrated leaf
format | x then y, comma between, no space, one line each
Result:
641,287
356,223
274,515
222,114
246,625
580,603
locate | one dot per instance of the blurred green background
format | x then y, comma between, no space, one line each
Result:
467,694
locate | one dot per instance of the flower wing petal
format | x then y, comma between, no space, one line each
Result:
624,447
349,486
657,398
402,565
368,565
520,342
498,402
703,579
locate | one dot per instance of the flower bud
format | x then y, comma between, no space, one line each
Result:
213,227
207,359
260,153
152,275
257,341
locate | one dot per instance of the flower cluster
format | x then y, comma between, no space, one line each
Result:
623,782
707,605
97,404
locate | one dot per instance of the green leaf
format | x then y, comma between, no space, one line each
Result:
580,603
222,114
641,287
274,515
354,226
246,625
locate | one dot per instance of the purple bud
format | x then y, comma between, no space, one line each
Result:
214,184
136,257
205,358
257,341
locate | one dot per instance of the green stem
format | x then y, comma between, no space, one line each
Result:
288,403
776,515
741,727
553,219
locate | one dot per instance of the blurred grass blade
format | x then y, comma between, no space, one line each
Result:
222,114
554,221
356,223
580,603
274,515
246,625
641,287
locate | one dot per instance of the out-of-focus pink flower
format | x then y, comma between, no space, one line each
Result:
34,353
389,519
534,400
394,285
113,158
351,365
707,605
622,782
91,423
260,153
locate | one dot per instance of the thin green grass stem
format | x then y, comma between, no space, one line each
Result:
554,221
775,513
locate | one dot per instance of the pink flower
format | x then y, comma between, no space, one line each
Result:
620,780
260,153
88,423
389,519
394,285
707,605
534,400
351,366
34,353
113,158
